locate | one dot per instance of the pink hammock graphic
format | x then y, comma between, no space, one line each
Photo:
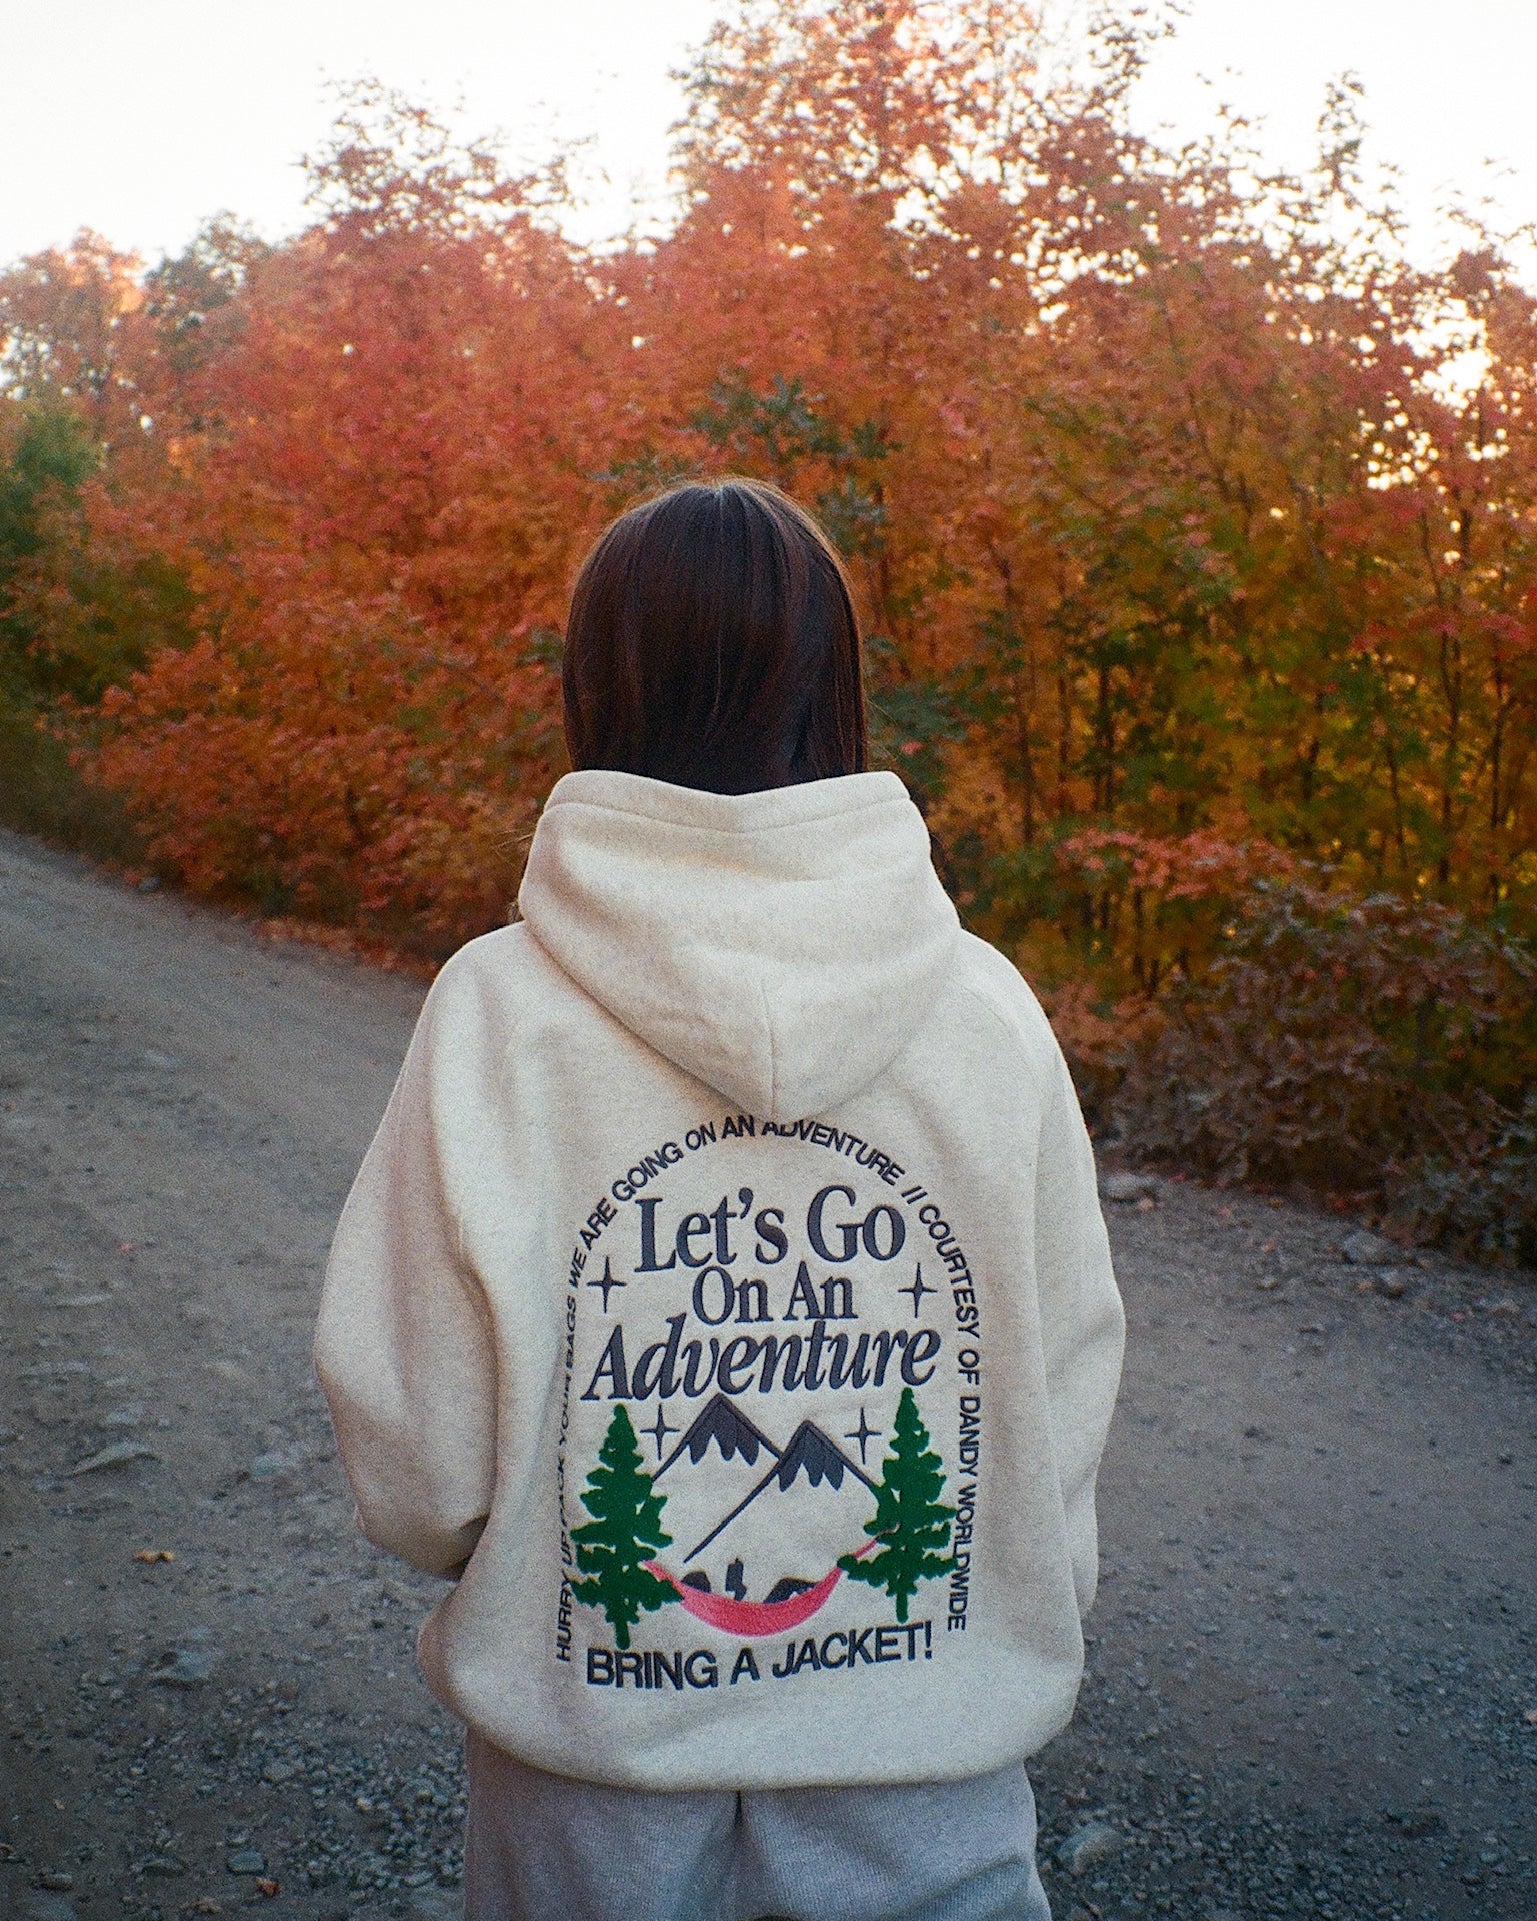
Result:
753,1619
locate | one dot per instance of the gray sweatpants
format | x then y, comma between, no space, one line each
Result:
543,1848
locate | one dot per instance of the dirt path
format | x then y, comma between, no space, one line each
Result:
1314,1668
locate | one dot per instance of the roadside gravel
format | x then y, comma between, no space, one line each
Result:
1313,1671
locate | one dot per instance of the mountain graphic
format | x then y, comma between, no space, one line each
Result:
810,1455
729,1429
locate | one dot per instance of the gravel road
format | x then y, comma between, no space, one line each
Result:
1313,1670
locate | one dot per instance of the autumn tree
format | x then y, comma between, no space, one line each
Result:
45,457
378,491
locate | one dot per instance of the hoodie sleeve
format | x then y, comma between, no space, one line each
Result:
404,1347
1082,1321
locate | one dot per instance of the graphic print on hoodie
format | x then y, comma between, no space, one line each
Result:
769,1411
725,1308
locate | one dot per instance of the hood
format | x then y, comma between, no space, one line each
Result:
782,947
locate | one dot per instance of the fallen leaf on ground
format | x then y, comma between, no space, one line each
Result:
152,1554
114,1456
1092,1842
267,1888
1531,1715
187,1668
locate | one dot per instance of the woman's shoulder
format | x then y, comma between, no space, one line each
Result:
992,982
504,954
505,986
502,980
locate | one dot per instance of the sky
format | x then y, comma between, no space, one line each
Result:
139,120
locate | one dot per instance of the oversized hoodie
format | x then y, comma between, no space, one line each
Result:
725,1308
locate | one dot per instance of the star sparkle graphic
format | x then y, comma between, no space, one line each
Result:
662,1429
918,1289
865,1434
607,1282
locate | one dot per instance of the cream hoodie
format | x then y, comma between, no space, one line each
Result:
725,1301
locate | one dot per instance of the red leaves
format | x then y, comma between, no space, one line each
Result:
1145,478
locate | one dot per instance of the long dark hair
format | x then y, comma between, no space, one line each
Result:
713,643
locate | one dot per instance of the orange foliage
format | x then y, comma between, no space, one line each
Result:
369,485
1182,562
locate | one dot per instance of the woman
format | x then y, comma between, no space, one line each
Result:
724,1305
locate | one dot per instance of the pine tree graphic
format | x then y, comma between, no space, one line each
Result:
911,1523
624,1533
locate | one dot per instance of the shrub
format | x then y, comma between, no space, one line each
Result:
43,792
1368,1043
1483,1200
